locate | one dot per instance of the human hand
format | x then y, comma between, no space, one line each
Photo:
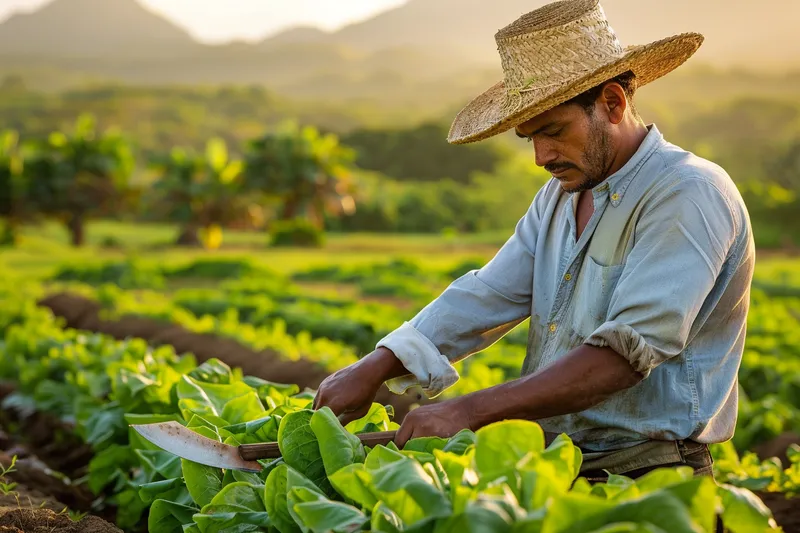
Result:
349,392
441,419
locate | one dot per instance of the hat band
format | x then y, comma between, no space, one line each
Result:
515,100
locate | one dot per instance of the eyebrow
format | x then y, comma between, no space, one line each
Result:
540,130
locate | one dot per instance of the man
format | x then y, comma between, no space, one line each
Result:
633,263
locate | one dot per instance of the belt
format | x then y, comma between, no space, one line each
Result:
638,460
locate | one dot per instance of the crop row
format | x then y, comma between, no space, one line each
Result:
268,312
500,478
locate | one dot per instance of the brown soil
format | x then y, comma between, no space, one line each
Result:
37,484
777,447
785,510
37,500
83,313
48,456
56,445
21,520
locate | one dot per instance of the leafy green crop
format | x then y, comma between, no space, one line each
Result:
130,274
500,478
749,472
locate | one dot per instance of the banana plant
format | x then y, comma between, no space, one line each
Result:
310,173
202,192
79,174
12,187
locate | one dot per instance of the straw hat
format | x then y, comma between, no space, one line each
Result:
555,53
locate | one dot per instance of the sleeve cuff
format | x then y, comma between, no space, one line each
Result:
628,343
427,366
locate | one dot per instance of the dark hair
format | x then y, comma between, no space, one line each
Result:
627,81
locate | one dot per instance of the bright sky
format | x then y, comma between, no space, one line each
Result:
224,20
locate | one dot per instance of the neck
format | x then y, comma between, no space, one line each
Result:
632,134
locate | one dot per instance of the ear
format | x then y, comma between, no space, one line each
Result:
614,102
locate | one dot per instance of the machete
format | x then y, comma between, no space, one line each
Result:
185,443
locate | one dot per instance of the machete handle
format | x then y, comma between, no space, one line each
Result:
374,439
270,450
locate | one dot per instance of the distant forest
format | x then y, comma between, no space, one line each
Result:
410,179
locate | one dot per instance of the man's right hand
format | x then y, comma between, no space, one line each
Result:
349,392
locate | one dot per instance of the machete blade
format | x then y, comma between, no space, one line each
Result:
183,442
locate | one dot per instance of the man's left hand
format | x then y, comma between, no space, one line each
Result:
442,419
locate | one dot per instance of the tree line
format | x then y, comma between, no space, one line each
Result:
306,179
289,173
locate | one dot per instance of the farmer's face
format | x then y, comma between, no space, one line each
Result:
575,146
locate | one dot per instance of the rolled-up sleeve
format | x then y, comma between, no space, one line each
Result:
681,242
471,314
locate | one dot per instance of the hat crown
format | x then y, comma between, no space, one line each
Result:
556,43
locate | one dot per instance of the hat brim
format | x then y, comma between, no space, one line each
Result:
488,114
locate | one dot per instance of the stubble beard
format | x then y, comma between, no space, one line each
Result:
596,159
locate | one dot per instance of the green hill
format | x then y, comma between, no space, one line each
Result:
94,29
430,53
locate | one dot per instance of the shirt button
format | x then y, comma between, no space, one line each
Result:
553,328
615,197
568,277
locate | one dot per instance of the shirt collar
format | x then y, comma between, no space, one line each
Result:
616,184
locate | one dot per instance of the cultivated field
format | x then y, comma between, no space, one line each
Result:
232,343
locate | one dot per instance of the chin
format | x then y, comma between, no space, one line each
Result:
570,187
579,186
572,181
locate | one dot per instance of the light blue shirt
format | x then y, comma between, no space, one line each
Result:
661,274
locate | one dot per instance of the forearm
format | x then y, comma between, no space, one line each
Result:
583,378
469,316
382,365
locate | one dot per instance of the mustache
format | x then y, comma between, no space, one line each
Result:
557,167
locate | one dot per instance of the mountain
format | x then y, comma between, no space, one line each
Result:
735,33
94,29
429,53
124,29
466,25
297,34
740,33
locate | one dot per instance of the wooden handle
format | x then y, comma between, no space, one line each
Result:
252,452
270,450
374,439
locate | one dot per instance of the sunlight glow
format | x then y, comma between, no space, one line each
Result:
213,21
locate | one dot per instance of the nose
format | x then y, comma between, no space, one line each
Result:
544,152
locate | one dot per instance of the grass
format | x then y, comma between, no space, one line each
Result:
6,487
43,249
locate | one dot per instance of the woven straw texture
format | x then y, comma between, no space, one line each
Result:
555,53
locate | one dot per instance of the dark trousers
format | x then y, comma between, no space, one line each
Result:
693,454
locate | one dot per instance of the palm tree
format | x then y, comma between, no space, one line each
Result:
201,192
78,175
12,186
309,172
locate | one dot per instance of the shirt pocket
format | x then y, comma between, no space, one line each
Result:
596,285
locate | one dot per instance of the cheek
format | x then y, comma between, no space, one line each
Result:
580,144
570,151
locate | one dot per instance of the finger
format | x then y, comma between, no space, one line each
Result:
319,399
348,416
404,433
333,404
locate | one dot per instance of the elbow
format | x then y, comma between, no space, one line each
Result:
623,373
631,378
